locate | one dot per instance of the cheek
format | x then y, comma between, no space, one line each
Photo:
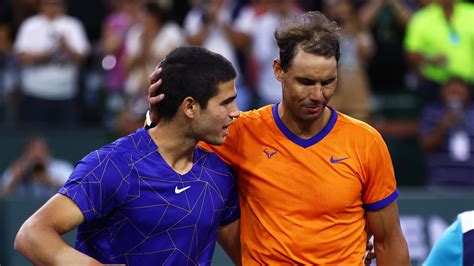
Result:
329,92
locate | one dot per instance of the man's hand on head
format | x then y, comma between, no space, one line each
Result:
153,97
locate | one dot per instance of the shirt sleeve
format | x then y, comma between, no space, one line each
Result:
413,41
379,188
76,37
448,248
232,210
23,40
98,184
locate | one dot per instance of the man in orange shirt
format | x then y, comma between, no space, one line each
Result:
312,180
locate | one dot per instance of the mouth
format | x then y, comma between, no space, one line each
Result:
314,108
226,127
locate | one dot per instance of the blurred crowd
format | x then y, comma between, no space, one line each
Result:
72,64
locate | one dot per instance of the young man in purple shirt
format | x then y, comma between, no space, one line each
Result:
152,197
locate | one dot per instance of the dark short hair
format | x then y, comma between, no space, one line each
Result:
312,32
191,72
154,9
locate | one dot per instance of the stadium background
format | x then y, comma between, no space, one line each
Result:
425,212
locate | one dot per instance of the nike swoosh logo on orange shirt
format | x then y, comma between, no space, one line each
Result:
332,160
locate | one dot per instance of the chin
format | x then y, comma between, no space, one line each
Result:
216,142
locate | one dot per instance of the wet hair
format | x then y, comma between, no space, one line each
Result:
191,72
311,32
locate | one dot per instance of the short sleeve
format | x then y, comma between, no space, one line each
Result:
132,41
413,41
232,210
76,37
23,40
98,183
379,187
448,248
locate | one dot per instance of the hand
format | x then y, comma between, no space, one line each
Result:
153,97
62,44
449,119
438,60
370,253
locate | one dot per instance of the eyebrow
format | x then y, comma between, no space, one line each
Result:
310,80
229,100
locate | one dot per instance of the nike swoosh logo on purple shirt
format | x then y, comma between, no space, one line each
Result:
332,160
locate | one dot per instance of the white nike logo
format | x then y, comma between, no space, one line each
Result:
177,190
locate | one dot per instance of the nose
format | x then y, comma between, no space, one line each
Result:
317,92
234,112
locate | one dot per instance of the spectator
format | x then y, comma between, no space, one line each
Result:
211,24
50,46
387,20
36,172
114,32
12,14
439,43
353,96
265,49
147,43
447,136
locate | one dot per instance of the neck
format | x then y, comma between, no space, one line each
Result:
448,9
176,148
304,129
51,16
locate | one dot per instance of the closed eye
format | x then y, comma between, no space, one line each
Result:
305,81
228,100
328,81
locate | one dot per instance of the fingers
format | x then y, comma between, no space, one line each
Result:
156,99
369,257
370,246
153,90
154,75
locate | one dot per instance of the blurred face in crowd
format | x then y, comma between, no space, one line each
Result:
131,7
455,90
308,85
52,8
149,21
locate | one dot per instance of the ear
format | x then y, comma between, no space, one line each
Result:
189,106
277,70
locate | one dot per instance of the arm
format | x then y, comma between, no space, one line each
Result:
402,12
228,237
390,245
240,40
34,58
368,13
39,238
432,140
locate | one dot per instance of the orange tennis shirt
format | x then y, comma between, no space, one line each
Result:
303,201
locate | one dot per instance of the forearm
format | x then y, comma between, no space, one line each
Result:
368,13
42,245
240,40
432,140
30,58
402,12
392,252
77,57
198,38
